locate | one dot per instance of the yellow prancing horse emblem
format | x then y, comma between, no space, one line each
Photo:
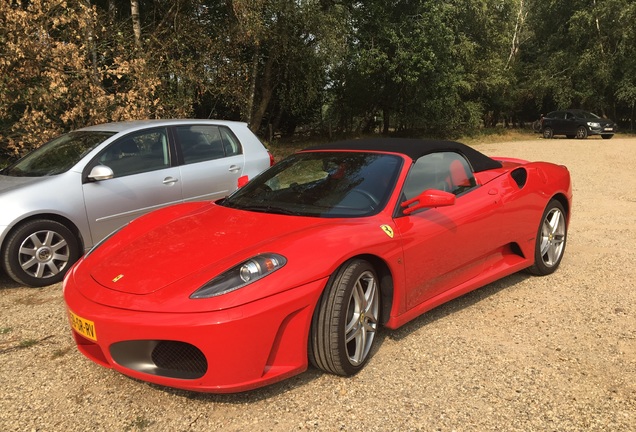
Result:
388,230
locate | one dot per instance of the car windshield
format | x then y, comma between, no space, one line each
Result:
322,184
58,155
585,115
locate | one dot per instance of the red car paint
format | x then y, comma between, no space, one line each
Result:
137,285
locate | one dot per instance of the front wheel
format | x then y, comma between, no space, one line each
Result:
346,320
39,252
581,132
551,239
548,133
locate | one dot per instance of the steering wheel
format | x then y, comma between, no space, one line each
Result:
369,196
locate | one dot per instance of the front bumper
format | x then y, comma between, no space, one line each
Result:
602,130
225,351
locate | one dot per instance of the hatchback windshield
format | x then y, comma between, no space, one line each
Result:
58,155
322,184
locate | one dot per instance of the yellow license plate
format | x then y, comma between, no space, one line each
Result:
83,326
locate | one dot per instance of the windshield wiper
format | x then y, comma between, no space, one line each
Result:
266,208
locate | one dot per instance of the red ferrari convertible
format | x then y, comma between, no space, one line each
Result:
306,261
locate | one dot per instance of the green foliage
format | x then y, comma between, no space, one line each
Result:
315,66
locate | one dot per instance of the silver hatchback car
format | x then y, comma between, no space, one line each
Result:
61,199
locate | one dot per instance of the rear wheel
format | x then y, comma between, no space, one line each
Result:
550,241
581,132
346,320
548,132
39,252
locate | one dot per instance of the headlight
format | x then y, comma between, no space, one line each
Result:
241,275
594,124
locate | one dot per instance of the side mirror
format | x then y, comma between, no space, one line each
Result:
430,198
101,172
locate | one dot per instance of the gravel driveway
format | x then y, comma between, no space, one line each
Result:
523,354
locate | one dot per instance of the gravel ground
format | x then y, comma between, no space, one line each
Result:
522,354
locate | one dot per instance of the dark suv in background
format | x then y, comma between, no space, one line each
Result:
576,123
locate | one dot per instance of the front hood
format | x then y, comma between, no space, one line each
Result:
150,254
8,183
602,122
159,260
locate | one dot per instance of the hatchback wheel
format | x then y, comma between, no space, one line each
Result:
346,320
550,241
581,132
39,252
548,133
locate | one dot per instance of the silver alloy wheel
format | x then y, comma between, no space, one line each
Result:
581,132
362,318
548,133
552,237
44,254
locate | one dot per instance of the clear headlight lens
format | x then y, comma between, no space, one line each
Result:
241,275
594,124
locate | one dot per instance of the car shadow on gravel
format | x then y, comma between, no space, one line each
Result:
455,305
303,379
7,283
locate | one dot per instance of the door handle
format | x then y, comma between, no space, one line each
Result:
170,180
234,168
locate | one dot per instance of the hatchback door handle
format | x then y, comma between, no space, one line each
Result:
234,168
170,180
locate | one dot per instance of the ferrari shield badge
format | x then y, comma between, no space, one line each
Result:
387,230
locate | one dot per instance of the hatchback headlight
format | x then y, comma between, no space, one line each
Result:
241,275
594,124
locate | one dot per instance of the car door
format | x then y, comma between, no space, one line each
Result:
570,124
559,124
143,180
213,161
446,246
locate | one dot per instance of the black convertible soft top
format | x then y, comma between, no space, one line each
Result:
414,148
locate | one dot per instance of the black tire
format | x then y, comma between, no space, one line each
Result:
548,133
581,132
39,252
607,136
551,240
348,308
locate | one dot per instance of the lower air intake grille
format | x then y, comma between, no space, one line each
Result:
172,359
179,356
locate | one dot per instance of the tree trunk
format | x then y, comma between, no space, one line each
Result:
249,110
90,41
267,90
136,22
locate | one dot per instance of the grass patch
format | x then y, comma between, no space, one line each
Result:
61,352
26,343
140,423
5,330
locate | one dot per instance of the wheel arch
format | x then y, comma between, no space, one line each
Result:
385,278
564,202
48,216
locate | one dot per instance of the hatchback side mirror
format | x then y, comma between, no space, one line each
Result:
430,198
101,172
